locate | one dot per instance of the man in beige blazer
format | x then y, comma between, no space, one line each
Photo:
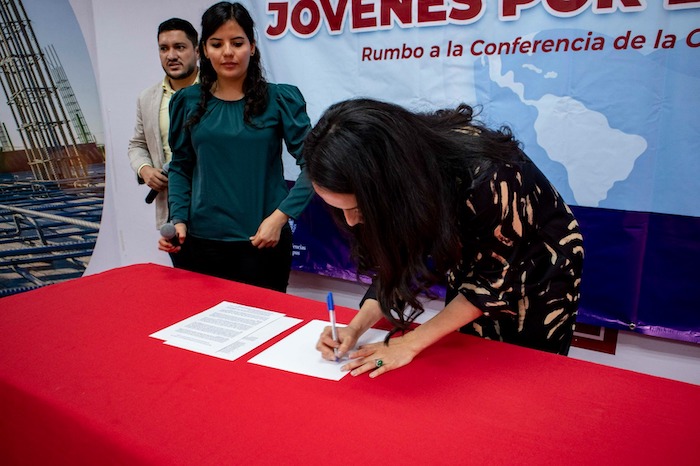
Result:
148,148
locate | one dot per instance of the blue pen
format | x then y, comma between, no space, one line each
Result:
334,329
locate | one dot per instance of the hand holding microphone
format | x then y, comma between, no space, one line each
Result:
154,192
170,240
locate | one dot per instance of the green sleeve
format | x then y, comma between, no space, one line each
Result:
295,126
183,155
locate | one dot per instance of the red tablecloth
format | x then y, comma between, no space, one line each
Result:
81,382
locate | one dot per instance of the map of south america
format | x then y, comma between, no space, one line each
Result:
594,154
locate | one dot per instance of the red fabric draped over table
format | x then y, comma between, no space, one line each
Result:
81,382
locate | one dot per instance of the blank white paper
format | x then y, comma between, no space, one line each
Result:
297,352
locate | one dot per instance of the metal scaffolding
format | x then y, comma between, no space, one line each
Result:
5,141
49,141
47,232
68,96
49,216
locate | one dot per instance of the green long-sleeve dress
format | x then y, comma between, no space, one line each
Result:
227,176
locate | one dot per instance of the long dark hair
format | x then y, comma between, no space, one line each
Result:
406,170
254,85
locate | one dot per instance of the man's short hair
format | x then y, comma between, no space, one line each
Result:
177,24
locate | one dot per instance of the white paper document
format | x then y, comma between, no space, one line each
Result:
224,330
297,352
251,341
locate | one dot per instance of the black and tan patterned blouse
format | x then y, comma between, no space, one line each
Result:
522,257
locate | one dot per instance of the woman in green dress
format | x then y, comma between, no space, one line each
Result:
228,197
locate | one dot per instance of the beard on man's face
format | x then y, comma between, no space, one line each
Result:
185,73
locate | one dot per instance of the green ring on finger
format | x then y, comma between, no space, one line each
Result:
378,363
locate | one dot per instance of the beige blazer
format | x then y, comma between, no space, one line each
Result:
146,145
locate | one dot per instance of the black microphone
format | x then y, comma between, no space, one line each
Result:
153,193
169,232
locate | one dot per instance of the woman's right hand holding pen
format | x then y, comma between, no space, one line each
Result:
347,339
348,336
